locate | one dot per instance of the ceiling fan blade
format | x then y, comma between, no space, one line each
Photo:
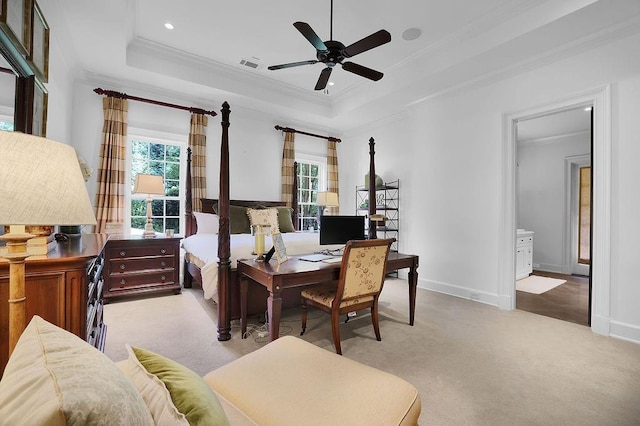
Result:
374,40
362,71
323,79
308,33
292,64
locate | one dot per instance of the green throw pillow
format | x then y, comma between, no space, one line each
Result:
191,395
238,219
284,219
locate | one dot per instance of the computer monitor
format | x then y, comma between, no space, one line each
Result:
340,229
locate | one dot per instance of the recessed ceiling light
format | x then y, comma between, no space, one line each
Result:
411,34
588,108
331,83
168,25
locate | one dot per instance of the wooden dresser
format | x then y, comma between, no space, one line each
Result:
140,266
64,288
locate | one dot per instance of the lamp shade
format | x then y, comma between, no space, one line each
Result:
41,183
327,199
148,184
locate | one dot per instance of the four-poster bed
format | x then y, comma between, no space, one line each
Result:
220,273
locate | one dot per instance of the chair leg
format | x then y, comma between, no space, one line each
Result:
304,317
335,330
374,319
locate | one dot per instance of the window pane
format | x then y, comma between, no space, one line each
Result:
173,208
138,223
173,153
173,188
156,168
138,208
172,171
156,151
173,223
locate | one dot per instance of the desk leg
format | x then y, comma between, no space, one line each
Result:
413,285
274,306
244,289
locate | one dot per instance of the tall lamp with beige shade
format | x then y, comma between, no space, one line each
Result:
326,199
40,184
150,185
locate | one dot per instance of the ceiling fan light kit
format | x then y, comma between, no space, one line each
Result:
333,52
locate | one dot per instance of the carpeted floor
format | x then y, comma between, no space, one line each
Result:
473,364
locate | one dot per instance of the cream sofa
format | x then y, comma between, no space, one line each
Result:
55,378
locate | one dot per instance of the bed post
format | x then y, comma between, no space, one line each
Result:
294,201
224,239
187,281
372,190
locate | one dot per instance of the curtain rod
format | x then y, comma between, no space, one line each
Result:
290,130
119,95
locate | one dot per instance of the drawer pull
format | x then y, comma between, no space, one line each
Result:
163,251
123,253
123,281
122,267
163,264
163,278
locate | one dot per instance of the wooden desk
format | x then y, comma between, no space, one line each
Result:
298,273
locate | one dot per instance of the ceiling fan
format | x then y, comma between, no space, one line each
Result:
333,52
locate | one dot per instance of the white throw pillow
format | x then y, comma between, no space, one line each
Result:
264,217
208,223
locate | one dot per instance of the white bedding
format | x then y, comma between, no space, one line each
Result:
202,249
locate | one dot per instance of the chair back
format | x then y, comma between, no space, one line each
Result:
363,268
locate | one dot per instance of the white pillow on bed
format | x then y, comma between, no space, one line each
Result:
264,217
208,223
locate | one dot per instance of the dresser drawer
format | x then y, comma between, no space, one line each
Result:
152,250
141,264
128,281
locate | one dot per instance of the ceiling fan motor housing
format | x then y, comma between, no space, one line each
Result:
333,55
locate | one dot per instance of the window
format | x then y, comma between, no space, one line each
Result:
584,217
165,158
312,172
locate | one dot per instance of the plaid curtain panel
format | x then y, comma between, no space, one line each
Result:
288,157
198,142
332,173
110,193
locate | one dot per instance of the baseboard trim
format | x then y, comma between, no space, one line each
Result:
624,331
461,292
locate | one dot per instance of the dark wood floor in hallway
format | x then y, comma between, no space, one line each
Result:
567,302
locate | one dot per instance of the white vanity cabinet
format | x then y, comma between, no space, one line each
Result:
524,253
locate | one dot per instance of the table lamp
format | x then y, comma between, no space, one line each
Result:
40,184
259,232
326,199
150,185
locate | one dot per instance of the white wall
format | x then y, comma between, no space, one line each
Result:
447,154
542,194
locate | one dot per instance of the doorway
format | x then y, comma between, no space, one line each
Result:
600,269
553,192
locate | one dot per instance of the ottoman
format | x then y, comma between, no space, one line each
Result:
292,382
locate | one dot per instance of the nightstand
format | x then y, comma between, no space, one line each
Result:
138,266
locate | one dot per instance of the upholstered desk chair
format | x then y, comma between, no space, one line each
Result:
361,277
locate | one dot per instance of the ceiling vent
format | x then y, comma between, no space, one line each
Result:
251,64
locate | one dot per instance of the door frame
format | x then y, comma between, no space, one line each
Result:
600,99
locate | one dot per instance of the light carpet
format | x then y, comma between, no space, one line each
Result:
472,363
537,285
